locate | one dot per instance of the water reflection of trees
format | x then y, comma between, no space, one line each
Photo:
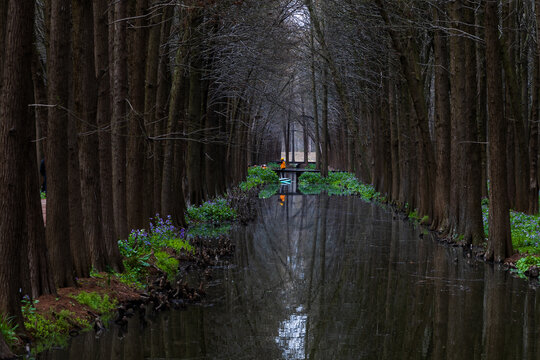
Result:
337,278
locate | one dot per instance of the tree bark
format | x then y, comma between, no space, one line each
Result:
136,147
101,62
500,242
15,118
58,223
150,95
40,278
442,126
86,105
118,139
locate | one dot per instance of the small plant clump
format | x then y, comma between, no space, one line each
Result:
141,249
51,328
526,264
259,176
214,212
100,304
337,183
8,329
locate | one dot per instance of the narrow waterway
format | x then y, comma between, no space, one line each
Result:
321,277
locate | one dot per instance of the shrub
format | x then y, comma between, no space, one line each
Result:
311,178
216,211
259,176
337,183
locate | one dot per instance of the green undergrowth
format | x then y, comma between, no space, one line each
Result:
102,304
337,183
525,230
214,212
8,329
155,247
51,328
258,176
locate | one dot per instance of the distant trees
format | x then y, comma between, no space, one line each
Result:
415,78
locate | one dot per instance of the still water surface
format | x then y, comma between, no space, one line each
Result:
336,278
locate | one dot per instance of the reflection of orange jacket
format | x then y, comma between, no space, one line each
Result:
282,166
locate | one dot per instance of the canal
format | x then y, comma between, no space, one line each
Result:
318,277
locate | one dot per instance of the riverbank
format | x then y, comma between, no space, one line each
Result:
165,267
525,229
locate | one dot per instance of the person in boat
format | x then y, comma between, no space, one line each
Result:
282,165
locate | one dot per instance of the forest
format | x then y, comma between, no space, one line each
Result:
143,107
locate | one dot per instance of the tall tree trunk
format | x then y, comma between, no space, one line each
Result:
474,228
58,224
458,104
40,278
135,147
535,116
15,118
86,105
324,128
394,140
175,122
500,241
79,247
315,102
101,14
150,95
482,95
195,162
442,126
162,94
118,139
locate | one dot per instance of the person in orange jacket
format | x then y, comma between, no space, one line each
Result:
282,165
